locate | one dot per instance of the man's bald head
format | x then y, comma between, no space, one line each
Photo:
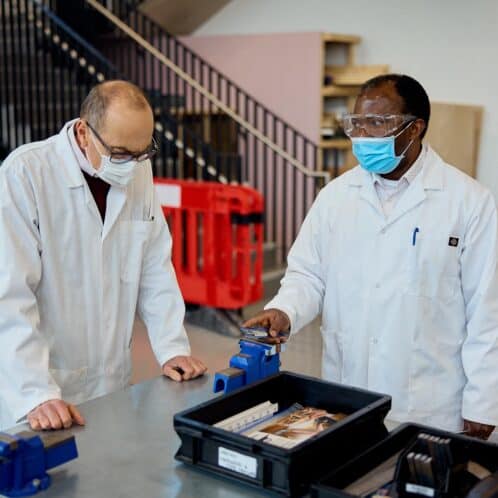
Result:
121,115
111,94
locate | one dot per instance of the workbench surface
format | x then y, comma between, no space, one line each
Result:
127,448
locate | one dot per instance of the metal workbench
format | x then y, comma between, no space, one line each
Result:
127,448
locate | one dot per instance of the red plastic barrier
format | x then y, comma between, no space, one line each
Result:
217,233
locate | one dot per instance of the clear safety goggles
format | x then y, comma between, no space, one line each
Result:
374,125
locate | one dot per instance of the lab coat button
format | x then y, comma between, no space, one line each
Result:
377,285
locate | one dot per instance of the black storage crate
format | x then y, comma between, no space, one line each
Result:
333,484
285,471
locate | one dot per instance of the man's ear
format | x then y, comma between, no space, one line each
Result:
81,133
418,128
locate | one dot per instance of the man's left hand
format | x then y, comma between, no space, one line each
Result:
476,429
182,368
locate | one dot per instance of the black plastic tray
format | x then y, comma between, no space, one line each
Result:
337,480
285,471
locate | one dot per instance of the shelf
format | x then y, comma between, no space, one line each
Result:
354,75
340,91
338,38
335,143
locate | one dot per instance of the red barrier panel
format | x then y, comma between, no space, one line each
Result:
217,233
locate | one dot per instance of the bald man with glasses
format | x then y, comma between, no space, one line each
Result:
83,247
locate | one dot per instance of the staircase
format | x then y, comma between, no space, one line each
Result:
208,128
47,71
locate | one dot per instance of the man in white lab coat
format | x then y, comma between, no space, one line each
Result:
399,256
83,246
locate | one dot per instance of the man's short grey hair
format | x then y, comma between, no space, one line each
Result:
97,102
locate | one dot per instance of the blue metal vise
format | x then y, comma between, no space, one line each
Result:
25,458
255,361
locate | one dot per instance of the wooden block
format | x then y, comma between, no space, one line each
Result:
338,38
340,91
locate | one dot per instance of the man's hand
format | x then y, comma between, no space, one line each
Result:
183,368
475,429
54,414
276,321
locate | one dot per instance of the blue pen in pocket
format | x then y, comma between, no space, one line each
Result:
413,258
414,236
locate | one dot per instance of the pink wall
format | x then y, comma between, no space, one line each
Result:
282,71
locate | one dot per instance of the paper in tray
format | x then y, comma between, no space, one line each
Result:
293,426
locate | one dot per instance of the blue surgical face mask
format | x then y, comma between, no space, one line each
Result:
378,155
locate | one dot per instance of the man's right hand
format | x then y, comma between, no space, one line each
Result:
276,321
54,414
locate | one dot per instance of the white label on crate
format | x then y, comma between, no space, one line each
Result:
420,490
237,462
169,195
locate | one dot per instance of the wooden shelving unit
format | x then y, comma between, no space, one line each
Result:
341,81
339,91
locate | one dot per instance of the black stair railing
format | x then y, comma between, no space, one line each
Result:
275,159
226,90
46,71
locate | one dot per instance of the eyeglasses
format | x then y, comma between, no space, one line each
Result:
374,125
119,155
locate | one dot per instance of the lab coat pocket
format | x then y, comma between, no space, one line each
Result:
134,236
332,355
433,269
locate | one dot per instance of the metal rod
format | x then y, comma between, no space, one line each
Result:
22,80
290,198
2,82
14,86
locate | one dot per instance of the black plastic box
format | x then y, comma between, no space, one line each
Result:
285,471
333,485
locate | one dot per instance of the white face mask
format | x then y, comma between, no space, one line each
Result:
117,175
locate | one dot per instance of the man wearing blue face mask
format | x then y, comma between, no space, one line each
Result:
83,246
399,256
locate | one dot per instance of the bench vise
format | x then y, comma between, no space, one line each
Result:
25,458
256,360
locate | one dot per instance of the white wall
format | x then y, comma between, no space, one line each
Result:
450,46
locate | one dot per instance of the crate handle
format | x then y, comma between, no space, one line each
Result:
190,432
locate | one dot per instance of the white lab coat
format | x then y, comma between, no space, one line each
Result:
70,285
418,322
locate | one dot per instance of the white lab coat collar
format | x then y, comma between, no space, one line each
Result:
71,170
78,154
70,167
